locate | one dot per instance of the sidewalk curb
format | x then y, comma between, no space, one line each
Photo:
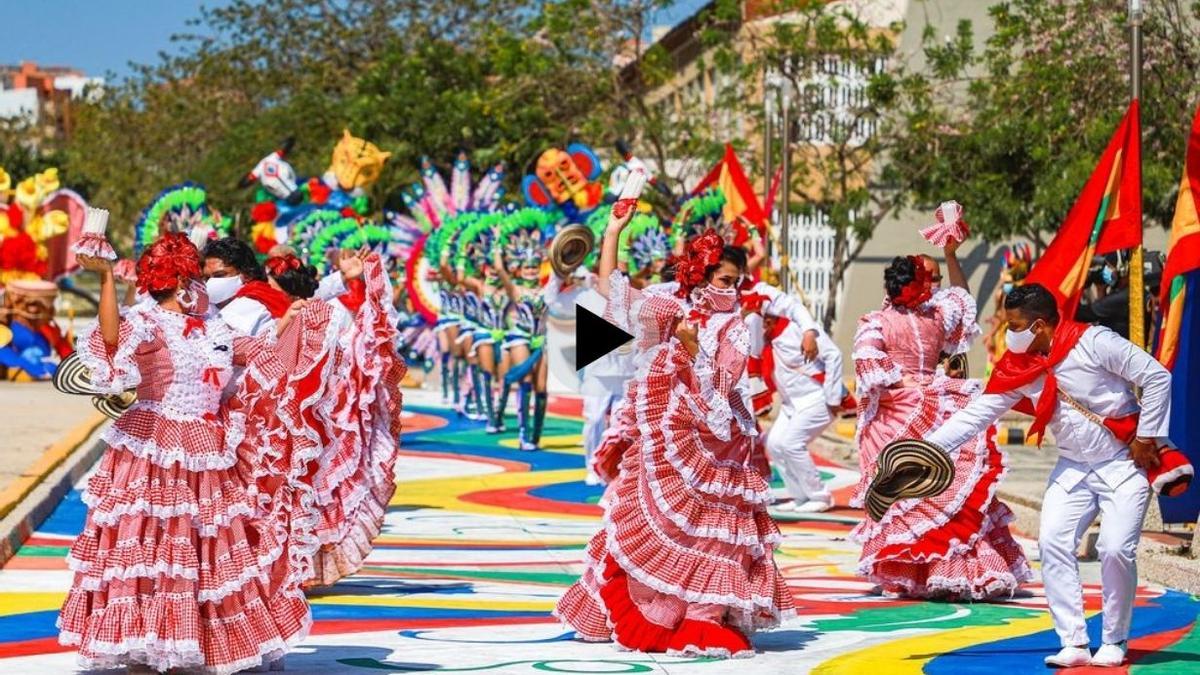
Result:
26,503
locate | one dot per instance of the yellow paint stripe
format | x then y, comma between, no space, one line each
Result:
50,460
20,603
898,657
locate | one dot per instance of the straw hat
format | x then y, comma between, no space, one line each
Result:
908,468
570,248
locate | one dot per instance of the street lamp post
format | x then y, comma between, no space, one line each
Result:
768,134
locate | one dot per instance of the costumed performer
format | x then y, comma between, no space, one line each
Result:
1078,381
956,544
177,566
684,562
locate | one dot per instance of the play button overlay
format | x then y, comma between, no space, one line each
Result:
594,337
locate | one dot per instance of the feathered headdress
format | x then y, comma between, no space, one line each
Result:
179,208
702,213
525,235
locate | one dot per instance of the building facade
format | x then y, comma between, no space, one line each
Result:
43,97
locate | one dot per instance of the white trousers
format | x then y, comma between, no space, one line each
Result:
787,445
1066,516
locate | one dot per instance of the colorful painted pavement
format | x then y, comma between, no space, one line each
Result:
482,538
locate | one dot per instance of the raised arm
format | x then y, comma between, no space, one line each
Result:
608,248
505,278
953,268
109,313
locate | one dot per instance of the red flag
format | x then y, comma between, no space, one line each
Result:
1183,251
1106,217
740,200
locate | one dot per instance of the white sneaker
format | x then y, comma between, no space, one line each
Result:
1069,657
812,506
591,479
1109,656
786,507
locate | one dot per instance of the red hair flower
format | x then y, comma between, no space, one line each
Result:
280,264
919,289
701,253
172,258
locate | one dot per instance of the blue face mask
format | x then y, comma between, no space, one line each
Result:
1108,276
1008,288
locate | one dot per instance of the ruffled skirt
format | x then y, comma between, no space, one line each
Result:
177,566
956,545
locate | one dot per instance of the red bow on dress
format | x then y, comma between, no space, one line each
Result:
192,324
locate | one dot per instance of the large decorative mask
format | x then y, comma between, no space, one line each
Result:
357,162
566,178
275,175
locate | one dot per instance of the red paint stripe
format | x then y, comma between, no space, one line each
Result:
519,498
46,645
508,465
340,626
568,406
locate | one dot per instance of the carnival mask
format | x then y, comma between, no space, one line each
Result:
357,162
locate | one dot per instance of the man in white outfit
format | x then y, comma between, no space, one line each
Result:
810,392
1087,376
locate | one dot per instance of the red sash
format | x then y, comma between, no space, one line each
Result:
276,301
1018,370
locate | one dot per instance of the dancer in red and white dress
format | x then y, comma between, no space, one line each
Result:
358,373
173,568
956,544
684,563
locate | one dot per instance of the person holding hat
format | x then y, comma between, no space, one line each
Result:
955,544
1078,381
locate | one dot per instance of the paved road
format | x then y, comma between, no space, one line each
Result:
481,539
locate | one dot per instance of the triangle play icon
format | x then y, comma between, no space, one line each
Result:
594,337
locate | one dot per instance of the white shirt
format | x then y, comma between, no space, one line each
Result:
781,304
1097,373
247,316
331,286
794,375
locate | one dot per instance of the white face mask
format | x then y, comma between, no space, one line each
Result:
222,289
1019,342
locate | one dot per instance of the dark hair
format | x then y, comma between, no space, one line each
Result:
899,274
298,283
1034,301
236,254
159,296
730,254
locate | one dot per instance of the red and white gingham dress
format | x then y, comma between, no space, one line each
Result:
358,425
183,561
684,563
956,544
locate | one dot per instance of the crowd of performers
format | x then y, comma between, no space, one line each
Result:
683,562
256,388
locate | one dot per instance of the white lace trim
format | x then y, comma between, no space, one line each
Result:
115,372
140,507
125,573
166,457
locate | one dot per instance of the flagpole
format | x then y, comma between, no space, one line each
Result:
1137,297
785,187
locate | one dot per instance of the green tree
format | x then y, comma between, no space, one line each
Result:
1043,97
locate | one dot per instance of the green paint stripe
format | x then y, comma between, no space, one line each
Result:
44,551
934,616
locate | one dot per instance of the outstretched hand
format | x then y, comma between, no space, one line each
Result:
350,262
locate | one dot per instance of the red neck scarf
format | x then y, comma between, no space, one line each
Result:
275,300
1017,370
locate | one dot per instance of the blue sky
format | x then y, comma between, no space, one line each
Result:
98,36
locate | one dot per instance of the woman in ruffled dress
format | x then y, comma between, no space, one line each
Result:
684,562
956,545
356,370
201,521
